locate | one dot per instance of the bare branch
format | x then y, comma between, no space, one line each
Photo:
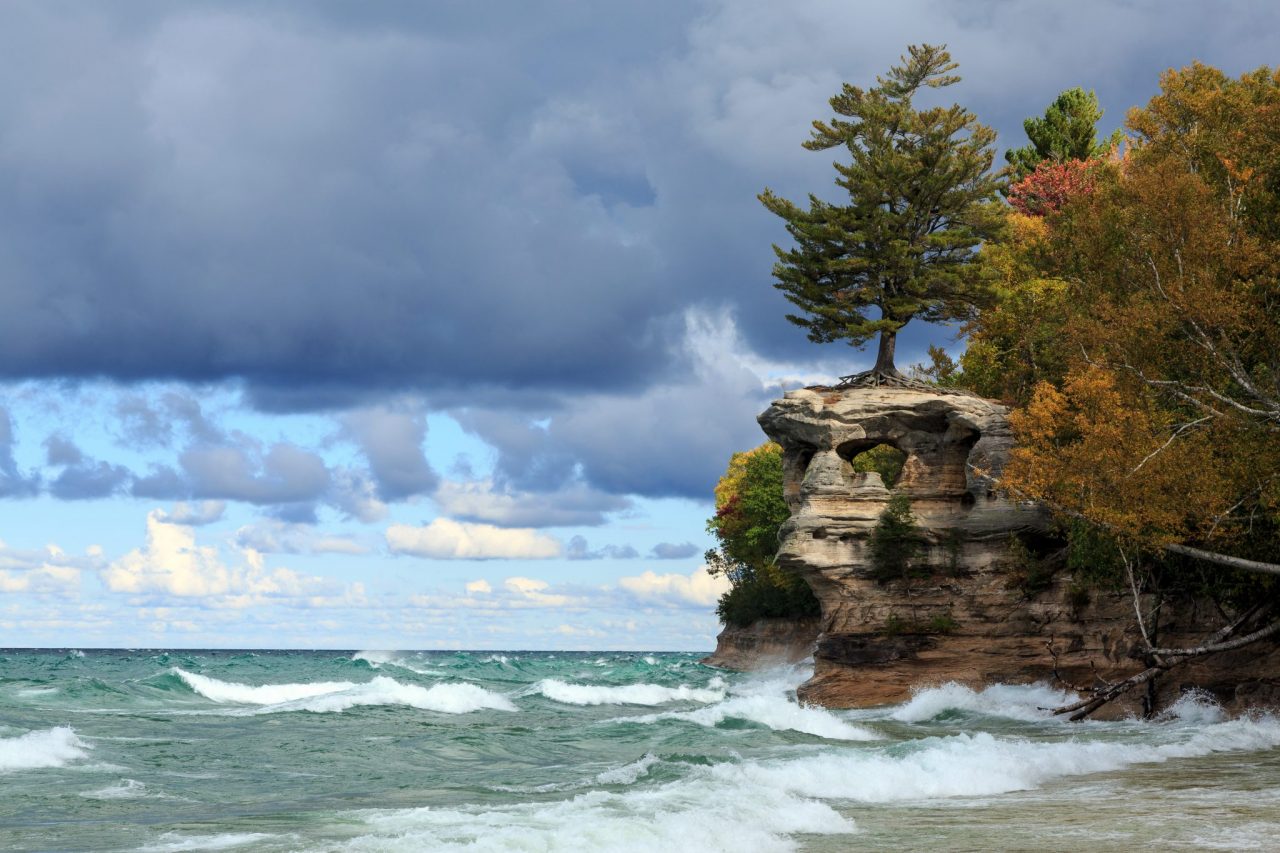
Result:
1225,559
1179,431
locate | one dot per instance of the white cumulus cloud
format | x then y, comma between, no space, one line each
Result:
171,561
446,539
697,588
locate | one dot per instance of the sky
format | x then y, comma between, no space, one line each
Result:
432,325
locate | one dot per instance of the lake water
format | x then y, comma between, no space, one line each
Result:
537,751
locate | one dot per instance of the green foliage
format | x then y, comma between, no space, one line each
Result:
895,541
749,511
750,507
884,459
943,624
771,593
1032,570
1067,131
942,370
1093,556
940,624
921,199
952,541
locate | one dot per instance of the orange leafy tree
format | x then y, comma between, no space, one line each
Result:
1154,411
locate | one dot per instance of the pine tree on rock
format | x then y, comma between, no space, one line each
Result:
922,198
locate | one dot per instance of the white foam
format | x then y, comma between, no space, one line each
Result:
776,712
626,694
28,692
171,842
628,773
447,698
331,696
54,747
763,805
1194,706
1016,702
698,814
982,765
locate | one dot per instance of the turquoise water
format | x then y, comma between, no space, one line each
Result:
298,751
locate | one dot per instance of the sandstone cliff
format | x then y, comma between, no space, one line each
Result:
765,643
972,617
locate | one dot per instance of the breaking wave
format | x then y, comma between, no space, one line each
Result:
55,747
627,694
1014,702
759,805
332,696
776,712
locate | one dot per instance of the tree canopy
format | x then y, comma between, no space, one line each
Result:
1067,131
921,199
749,511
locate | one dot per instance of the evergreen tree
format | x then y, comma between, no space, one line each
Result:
921,199
1068,131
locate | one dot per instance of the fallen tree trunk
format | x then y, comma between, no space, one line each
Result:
1166,659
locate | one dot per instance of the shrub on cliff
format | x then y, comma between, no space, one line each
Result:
895,541
749,510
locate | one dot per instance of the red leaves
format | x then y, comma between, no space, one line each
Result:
1051,185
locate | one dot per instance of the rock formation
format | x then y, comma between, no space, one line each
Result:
765,643
971,611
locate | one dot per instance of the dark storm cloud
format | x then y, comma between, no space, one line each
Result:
674,439
147,421
60,450
89,480
282,474
511,212
337,200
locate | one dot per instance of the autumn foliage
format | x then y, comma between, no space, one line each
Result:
1051,186
1158,418
749,511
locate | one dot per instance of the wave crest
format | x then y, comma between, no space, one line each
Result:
333,696
1011,701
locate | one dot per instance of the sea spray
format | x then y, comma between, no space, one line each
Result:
55,747
1015,702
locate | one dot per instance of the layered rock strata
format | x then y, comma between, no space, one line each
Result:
969,612
765,643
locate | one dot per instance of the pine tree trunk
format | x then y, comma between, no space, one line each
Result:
884,358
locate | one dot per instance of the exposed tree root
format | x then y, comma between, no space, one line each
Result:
894,379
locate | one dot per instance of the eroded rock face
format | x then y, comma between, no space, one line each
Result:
976,618
764,644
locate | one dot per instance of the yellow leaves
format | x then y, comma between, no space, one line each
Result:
731,483
1106,450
